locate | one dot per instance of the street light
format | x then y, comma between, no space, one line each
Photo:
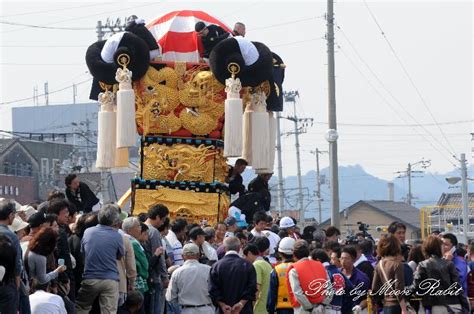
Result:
464,195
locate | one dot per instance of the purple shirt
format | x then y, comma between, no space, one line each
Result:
360,281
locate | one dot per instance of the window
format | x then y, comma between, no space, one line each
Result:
6,167
29,170
56,167
17,191
12,190
1,190
6,189
44,168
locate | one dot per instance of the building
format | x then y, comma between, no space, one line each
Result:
74,124
378,215
19,188
448,212
33,163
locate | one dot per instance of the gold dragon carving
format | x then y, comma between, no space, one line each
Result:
193,206
160,92
181,162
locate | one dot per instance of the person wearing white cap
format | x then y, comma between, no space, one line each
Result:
18,226
25,212
278,297
287,225
188,286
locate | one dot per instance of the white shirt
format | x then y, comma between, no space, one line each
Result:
44,302
177,248
272,237
209,251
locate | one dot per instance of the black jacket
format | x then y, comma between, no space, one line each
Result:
236,184
216,35
236,270
431,271
259,185
84,199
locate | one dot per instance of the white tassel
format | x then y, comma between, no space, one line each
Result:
233,119
121,157
106,132
256,133
272,129
247,137
126,129
260,139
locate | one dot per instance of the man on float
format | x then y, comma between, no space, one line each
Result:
210,36
239,29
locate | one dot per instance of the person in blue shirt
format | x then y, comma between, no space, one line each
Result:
101,247
341,301
449,252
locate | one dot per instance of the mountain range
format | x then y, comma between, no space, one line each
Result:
356,184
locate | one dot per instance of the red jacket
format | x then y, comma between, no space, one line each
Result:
311,275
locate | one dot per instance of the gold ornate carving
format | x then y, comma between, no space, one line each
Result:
182,162
193,206
157,98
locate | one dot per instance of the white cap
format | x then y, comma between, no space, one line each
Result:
286,222
17,225
29,210
286,245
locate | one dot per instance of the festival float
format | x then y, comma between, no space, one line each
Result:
190,115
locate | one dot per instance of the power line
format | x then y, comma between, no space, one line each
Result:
389,104
287,23
41,64
53,10
47,27
55,91
297,42
409,77
43,46
398,125
84,17
390,94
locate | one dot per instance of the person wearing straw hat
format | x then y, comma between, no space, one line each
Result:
189,284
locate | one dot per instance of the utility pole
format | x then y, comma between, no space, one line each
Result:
100,32
409,174
35,95
291,97
74,93
331,135
281,191
409,196
318,184
46,94
110,27
465,197
298,165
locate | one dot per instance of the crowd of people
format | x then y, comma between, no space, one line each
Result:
56,259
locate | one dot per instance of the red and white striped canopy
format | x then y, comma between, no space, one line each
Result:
175,34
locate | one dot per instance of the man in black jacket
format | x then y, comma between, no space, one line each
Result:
80,194
210,35
238,296
260,185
